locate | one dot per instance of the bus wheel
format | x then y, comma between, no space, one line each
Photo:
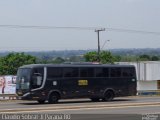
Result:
94,99
108,96
53,98
41,101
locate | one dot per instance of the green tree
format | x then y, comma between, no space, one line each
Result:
154,58
58,60
118,58
10,63
104,56
91,56
144,57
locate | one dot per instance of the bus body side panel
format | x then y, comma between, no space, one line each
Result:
92,85
69,88
97,87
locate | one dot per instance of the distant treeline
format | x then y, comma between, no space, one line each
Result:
70,53
10,61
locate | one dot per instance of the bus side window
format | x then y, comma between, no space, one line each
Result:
102,72
128,72
37,77
86,72
70,72
54,72
115,72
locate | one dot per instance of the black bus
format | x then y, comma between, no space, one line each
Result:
51,82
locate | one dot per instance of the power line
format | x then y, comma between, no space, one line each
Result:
80,28
46,27
132,31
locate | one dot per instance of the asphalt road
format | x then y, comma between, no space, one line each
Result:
126,108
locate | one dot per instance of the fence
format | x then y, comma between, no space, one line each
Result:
9,96
149,92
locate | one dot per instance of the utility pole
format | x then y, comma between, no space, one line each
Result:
98,53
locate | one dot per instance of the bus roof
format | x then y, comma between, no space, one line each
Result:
74,65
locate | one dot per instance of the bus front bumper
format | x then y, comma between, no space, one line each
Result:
26,96
30,96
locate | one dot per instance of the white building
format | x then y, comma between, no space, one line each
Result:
148,74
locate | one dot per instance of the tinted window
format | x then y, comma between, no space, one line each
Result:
102,72
86,72
54,72
38,70
23,78
23,73
70,72
37,77
128,72
115,72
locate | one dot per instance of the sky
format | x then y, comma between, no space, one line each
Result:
141,15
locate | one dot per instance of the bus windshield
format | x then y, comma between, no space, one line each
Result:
23,78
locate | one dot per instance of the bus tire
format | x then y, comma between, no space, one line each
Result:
53,98
41,101
109,95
